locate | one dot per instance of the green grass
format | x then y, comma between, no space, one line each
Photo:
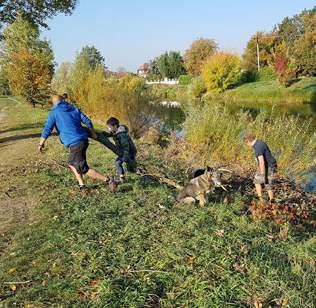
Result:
303,91
137,247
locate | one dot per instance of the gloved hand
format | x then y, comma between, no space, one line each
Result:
260,178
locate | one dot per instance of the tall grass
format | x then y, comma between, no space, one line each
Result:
217,134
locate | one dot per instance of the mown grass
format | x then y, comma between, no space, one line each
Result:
138,248
303,91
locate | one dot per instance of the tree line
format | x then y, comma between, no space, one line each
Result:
27,66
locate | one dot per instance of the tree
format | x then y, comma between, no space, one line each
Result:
267,43
221,71
29,76
89,57
61,80
299,35
154,73
170,65
199,51
88,60
283,65
34,11
23,56
304,50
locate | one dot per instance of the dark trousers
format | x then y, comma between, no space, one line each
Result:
131,165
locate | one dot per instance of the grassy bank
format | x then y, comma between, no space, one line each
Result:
137,247
303,91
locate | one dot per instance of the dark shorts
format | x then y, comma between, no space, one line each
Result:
269,178
78,158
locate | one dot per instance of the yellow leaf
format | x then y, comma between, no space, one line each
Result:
13,287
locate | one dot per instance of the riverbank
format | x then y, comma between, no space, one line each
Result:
302,92
263,92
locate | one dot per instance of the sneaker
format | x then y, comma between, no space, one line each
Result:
122,179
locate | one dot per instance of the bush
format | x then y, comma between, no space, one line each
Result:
248,76
216,133
266,74
222,71
185,80
197,88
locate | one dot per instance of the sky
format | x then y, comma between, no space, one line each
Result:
131,32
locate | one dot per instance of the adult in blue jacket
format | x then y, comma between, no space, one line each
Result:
67,120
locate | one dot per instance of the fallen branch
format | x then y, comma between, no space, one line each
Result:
146,271
17,282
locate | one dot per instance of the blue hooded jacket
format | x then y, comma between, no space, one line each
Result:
67,120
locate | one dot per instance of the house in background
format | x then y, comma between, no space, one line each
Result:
143,70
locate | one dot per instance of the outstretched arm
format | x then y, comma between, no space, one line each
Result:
47,131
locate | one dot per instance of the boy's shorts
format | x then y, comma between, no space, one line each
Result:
269,179
78,158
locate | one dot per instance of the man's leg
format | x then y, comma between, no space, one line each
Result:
271,195
259,191
77,175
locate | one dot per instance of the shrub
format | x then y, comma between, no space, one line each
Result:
185,80
197,88
221,71
266,74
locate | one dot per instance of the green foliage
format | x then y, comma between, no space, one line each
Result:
4,82
221,71
170,65
62,78
197,88
303,91
266,74
216,133
185,80
199,51
154,73
35,12
89,58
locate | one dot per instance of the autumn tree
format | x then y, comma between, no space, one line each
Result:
304,48
299,35
266,43
24,56
199,51
221,71
29,76
35,12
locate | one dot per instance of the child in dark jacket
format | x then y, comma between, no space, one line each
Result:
125,147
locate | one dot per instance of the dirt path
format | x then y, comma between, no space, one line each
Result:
16,147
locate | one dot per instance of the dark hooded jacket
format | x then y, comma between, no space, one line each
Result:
124,143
